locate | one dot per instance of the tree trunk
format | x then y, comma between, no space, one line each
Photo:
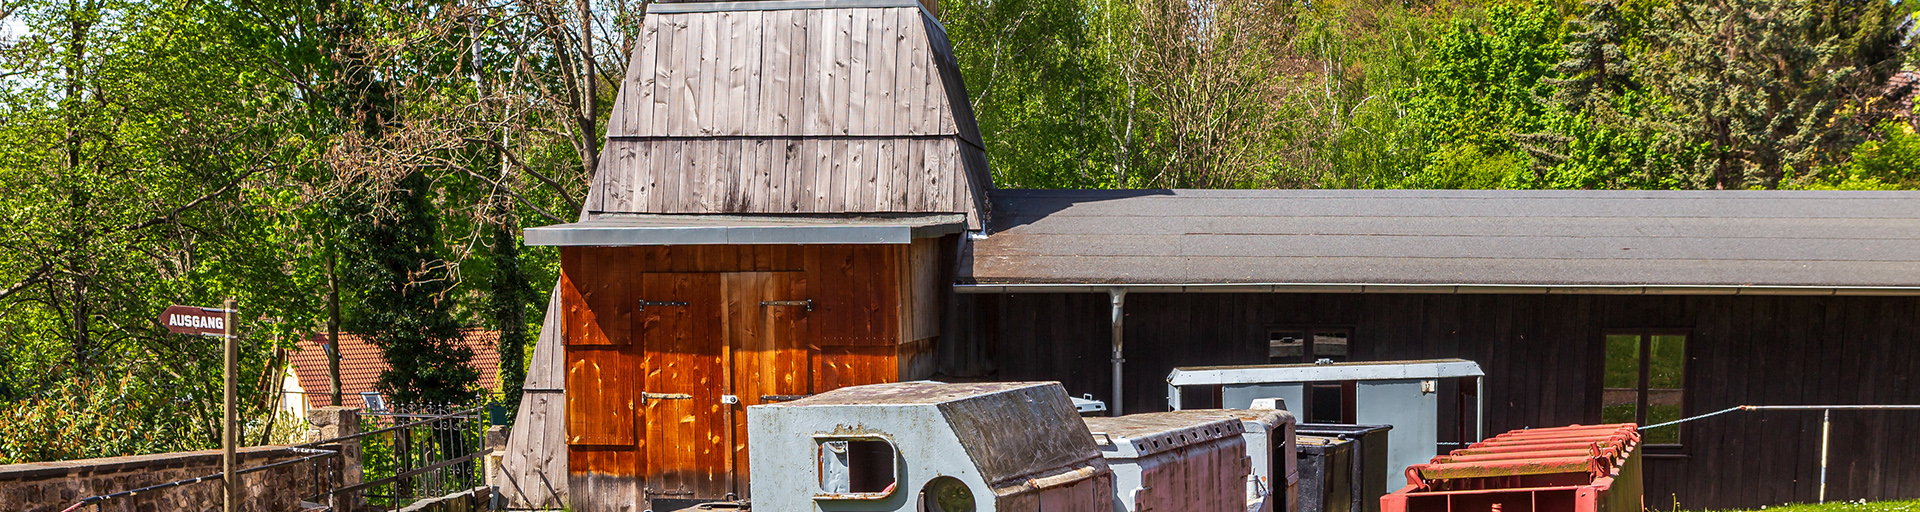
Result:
333,328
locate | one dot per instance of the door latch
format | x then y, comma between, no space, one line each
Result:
645,303
804,303
729,399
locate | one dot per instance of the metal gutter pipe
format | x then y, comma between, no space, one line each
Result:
1119,297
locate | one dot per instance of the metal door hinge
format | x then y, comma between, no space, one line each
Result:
806,303
645,303
644,396
781,398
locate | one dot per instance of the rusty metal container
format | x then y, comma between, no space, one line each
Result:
1193,460
1327,479
1274,485
1344,466
927,446
1578,468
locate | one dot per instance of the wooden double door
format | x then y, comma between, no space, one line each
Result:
703,346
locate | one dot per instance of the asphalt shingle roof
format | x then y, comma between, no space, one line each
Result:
1433,237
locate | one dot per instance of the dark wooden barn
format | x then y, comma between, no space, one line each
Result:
1723,298
794,198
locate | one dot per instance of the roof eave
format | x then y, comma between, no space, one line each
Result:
1514,289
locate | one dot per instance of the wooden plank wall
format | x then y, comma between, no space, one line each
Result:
815,72
1542,354
789,111
864,328
533,472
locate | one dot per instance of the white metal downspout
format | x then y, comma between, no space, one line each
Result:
1480,408
1119,296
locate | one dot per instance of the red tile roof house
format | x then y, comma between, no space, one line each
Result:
305,384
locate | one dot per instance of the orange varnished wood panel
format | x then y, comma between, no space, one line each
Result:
837,367
865,327
576,320
858,299
597,289
686,455
712,258
600,404
768,349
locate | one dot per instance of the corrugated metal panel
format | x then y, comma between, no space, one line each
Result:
1460,239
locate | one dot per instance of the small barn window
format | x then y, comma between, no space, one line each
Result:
857,468
1307,344
1645,383
1326,402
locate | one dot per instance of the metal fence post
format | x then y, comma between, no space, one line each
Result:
229,485
1826,431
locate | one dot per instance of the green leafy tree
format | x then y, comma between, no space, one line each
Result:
140,155
1040,88
1486,84
1890,161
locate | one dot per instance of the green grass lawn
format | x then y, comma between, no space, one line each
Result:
1849,506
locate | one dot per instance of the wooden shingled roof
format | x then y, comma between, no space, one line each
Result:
789,107
361,364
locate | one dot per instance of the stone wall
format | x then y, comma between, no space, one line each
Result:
53,486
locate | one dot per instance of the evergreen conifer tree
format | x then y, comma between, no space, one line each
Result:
1594,72
1770,88
510,294
404,306
1595,68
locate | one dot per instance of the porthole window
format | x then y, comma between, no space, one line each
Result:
946,494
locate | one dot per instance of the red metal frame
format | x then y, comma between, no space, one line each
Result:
1577,468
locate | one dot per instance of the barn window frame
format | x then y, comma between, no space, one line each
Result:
1309,331
1316,395
1643,387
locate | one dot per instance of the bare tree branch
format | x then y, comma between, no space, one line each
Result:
34,277
176,211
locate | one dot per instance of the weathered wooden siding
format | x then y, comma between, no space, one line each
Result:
706,330
1543,356
814,72
534,468
792,111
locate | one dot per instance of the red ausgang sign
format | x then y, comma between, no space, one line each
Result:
194,320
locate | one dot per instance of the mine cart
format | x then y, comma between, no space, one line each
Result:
1580,468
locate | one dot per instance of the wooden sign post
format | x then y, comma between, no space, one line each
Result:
215,322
